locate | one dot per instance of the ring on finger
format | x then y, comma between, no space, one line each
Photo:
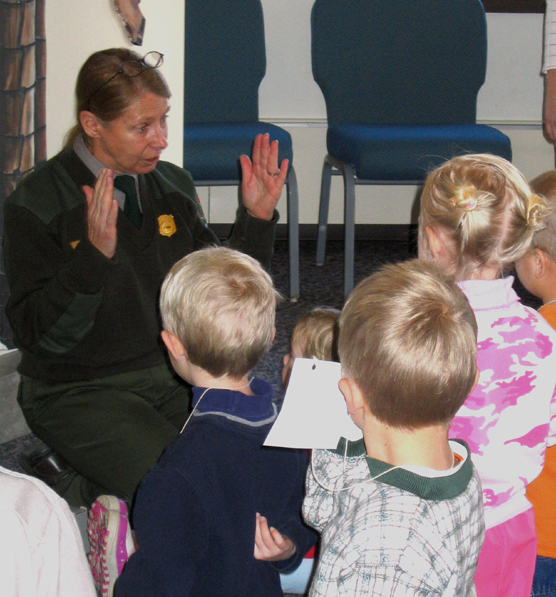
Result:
275,174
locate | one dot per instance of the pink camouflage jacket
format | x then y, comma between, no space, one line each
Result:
512,411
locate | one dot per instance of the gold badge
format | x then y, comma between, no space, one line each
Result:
166,225
74,244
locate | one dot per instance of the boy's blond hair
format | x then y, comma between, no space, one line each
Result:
545,239
316,334
486,210
408,338
221,305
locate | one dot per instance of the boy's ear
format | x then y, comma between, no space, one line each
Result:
173,344
352,395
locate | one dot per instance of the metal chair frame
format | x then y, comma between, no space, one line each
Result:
334,167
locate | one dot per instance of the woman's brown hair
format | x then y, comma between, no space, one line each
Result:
107,96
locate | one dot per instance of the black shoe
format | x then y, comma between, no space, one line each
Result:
43,463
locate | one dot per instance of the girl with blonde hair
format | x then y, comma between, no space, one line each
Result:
478,216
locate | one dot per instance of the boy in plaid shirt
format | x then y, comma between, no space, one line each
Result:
400,511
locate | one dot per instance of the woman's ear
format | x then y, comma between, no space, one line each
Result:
90,123
173,344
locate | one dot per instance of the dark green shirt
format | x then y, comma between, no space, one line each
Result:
77,315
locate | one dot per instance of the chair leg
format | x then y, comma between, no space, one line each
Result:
293,233
323,209
349,227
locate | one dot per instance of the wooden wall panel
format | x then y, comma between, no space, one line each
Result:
22,107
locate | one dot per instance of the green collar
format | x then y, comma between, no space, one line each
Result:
437,488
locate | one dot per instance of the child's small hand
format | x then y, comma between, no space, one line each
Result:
270,545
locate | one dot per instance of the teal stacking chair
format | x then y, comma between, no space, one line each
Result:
400,80
225,62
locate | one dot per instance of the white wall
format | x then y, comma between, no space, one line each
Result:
511,97
514,86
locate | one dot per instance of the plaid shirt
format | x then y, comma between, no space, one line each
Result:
407,534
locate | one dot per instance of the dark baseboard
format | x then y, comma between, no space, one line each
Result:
385,232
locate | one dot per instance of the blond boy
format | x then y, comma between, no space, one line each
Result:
315,336
196,513
400,511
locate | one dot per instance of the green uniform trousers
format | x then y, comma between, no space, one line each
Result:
111,431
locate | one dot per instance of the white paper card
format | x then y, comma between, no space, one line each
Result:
314,413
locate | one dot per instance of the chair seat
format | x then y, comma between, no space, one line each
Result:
211,151
409,153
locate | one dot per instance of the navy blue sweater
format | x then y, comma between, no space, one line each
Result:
194,515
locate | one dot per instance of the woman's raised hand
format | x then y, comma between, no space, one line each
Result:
102,213
262,179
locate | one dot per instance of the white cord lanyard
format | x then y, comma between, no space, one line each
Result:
348,487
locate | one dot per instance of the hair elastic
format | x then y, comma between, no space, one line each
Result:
470,205
466,198
535,214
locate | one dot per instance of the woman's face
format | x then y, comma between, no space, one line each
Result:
133,142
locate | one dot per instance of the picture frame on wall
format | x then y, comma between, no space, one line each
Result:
132,18
514,5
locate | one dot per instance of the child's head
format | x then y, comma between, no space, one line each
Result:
477,214
220,304
408,339
537,268
315,335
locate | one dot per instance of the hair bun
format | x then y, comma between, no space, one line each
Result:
465,198
536,213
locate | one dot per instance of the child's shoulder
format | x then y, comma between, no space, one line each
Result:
549,314
514,324
405,518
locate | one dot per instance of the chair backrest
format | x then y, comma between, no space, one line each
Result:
399,61
225,60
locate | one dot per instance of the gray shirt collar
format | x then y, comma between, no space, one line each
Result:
95,166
